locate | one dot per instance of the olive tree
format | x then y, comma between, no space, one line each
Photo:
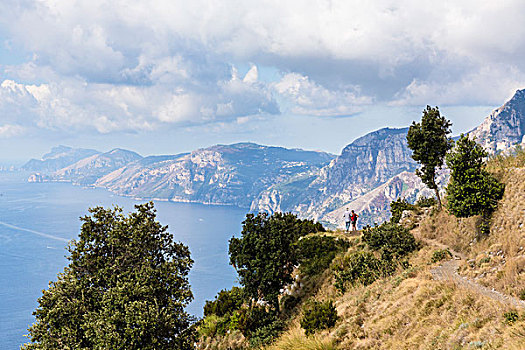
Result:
126,287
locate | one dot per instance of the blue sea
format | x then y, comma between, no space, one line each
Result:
38,219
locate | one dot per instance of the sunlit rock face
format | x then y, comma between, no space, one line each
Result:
363,165
504,128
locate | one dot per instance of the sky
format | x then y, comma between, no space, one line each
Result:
170,76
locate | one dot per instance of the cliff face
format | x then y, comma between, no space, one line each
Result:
222,174
504,127
362,166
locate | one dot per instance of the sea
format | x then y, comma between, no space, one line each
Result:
37,220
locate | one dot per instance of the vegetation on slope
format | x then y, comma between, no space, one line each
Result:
402,305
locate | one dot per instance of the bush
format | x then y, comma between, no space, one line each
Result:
397,240
511,317
357,267
426,202
316,253
397,207
440,255
288,302
214,325
266,334
226,302
522,294
318,316
250,320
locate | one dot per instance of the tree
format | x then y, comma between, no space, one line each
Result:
265,255
429,143
126,287
472,190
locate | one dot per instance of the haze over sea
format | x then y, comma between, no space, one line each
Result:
38,219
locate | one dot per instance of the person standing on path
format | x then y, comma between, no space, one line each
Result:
353,218
347,216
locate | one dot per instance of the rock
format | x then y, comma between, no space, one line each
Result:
504,127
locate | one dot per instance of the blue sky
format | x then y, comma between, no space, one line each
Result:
170,76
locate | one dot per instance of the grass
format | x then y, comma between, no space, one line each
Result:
296,340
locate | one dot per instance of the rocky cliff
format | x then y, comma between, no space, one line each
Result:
362,166
504,127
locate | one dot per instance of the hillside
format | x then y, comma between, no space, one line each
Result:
221,174
470,298
58,158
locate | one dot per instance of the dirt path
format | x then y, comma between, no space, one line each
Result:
448,271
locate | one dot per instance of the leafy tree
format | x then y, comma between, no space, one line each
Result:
126,287
265,255
429,142
226,302
472,190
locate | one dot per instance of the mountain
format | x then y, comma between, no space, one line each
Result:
222,174
58,158
363,165
88,170
504,127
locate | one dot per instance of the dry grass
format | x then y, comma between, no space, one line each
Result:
500,259
410,310
296,340
231,341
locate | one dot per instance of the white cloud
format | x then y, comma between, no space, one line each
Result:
76,104
133,64
309,98
10,130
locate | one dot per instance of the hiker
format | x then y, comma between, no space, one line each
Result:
347,215
353,218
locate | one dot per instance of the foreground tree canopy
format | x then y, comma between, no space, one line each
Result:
265,255
126,287
429,142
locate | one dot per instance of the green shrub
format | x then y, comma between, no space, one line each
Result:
426,202
357,267
395,239
288,302
266,334
522,294
484,260
318,316
316,253
225,302
250,320
511,317
214,325
397,207
441,254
